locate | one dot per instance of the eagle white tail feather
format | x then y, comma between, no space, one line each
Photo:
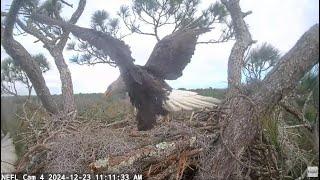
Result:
186,100
8,155
175,105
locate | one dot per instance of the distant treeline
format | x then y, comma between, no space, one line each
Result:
213,92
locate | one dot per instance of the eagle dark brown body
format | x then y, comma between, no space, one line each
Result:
167,61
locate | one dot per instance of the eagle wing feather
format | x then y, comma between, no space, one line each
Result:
172,54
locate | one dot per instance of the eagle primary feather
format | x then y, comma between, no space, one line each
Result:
172,54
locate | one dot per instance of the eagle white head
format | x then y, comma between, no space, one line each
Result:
116,87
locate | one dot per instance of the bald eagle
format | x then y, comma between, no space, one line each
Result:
146,84
176,100
149,93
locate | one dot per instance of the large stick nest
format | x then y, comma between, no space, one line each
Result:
179,148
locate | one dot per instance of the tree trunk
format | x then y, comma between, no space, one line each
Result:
69,106
243,41
66,83
316,135
56,49
21,56
25,60
242,127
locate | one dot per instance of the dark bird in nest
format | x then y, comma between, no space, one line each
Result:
146,85
154,96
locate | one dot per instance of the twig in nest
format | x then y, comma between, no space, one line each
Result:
117,123
182,163
51,136
191,116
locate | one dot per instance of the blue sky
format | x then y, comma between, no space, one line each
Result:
280,23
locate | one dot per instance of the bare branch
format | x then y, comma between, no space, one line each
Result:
74,18
29,28
294,111
66,3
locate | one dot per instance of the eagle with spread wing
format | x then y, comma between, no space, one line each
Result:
176,100
146,85
154,96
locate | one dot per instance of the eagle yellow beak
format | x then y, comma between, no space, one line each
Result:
107,93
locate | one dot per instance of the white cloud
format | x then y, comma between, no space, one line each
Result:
92,79
280,23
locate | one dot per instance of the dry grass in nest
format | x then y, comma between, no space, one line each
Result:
177,149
